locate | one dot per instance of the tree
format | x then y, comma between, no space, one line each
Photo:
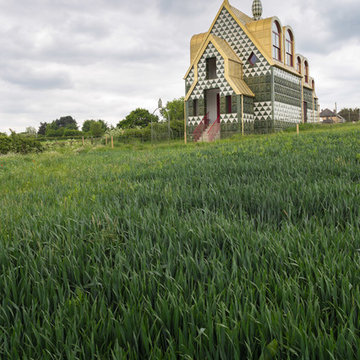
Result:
138,118
42,128
96,129
67,122
175,109
87,124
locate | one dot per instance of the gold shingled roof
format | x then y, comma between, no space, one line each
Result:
245,19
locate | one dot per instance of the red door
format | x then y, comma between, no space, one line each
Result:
218,104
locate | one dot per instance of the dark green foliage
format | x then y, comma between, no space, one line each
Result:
138,118
57,127
42,128
66,122
5,144
87,125
236,250
18,144
96,129
71,132
51,132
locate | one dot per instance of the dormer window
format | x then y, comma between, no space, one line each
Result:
306,71
211,68
276,31
289,48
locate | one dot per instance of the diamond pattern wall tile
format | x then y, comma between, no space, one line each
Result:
205,84
287,113
228,29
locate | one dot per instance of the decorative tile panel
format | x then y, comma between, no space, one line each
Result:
287,113
263,110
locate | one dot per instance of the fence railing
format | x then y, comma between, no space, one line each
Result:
214,129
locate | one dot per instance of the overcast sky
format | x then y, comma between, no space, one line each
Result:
101,59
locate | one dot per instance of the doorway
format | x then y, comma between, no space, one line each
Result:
212,98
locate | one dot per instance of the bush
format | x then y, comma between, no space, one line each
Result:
72,132
19,144
55,133
5,144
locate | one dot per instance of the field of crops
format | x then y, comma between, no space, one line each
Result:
244,249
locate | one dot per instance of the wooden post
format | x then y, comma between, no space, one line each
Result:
112,142
105,140
185,136
83,141
242,115
297,129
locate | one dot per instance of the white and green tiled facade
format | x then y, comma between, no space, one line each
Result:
279,94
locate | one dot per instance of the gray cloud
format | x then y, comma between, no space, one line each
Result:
103,58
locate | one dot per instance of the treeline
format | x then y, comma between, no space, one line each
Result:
137,124
350,114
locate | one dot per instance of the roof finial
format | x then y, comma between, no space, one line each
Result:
257,9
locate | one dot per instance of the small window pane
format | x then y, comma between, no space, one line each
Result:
253,59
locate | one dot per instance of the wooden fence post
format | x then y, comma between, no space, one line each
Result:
83,141
112,142
105,140
297,129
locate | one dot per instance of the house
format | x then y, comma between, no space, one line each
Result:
245,76
330,117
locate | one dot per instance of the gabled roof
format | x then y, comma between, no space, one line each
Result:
235,81
241,19
327,113
246,23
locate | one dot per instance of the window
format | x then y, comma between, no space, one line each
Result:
228,104
252,60
298,65
289,48
306,72
276,31
211,68
195,107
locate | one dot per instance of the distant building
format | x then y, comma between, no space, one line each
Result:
246,76
330,117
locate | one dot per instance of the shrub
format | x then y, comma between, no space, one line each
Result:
19,144
72,132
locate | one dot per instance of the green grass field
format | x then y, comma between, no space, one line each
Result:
243,249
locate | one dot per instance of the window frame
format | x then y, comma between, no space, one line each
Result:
276,41
298,65
289,46
306,65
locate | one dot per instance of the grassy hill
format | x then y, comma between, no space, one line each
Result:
248,248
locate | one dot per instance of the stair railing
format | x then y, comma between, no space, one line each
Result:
201,127
214,129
